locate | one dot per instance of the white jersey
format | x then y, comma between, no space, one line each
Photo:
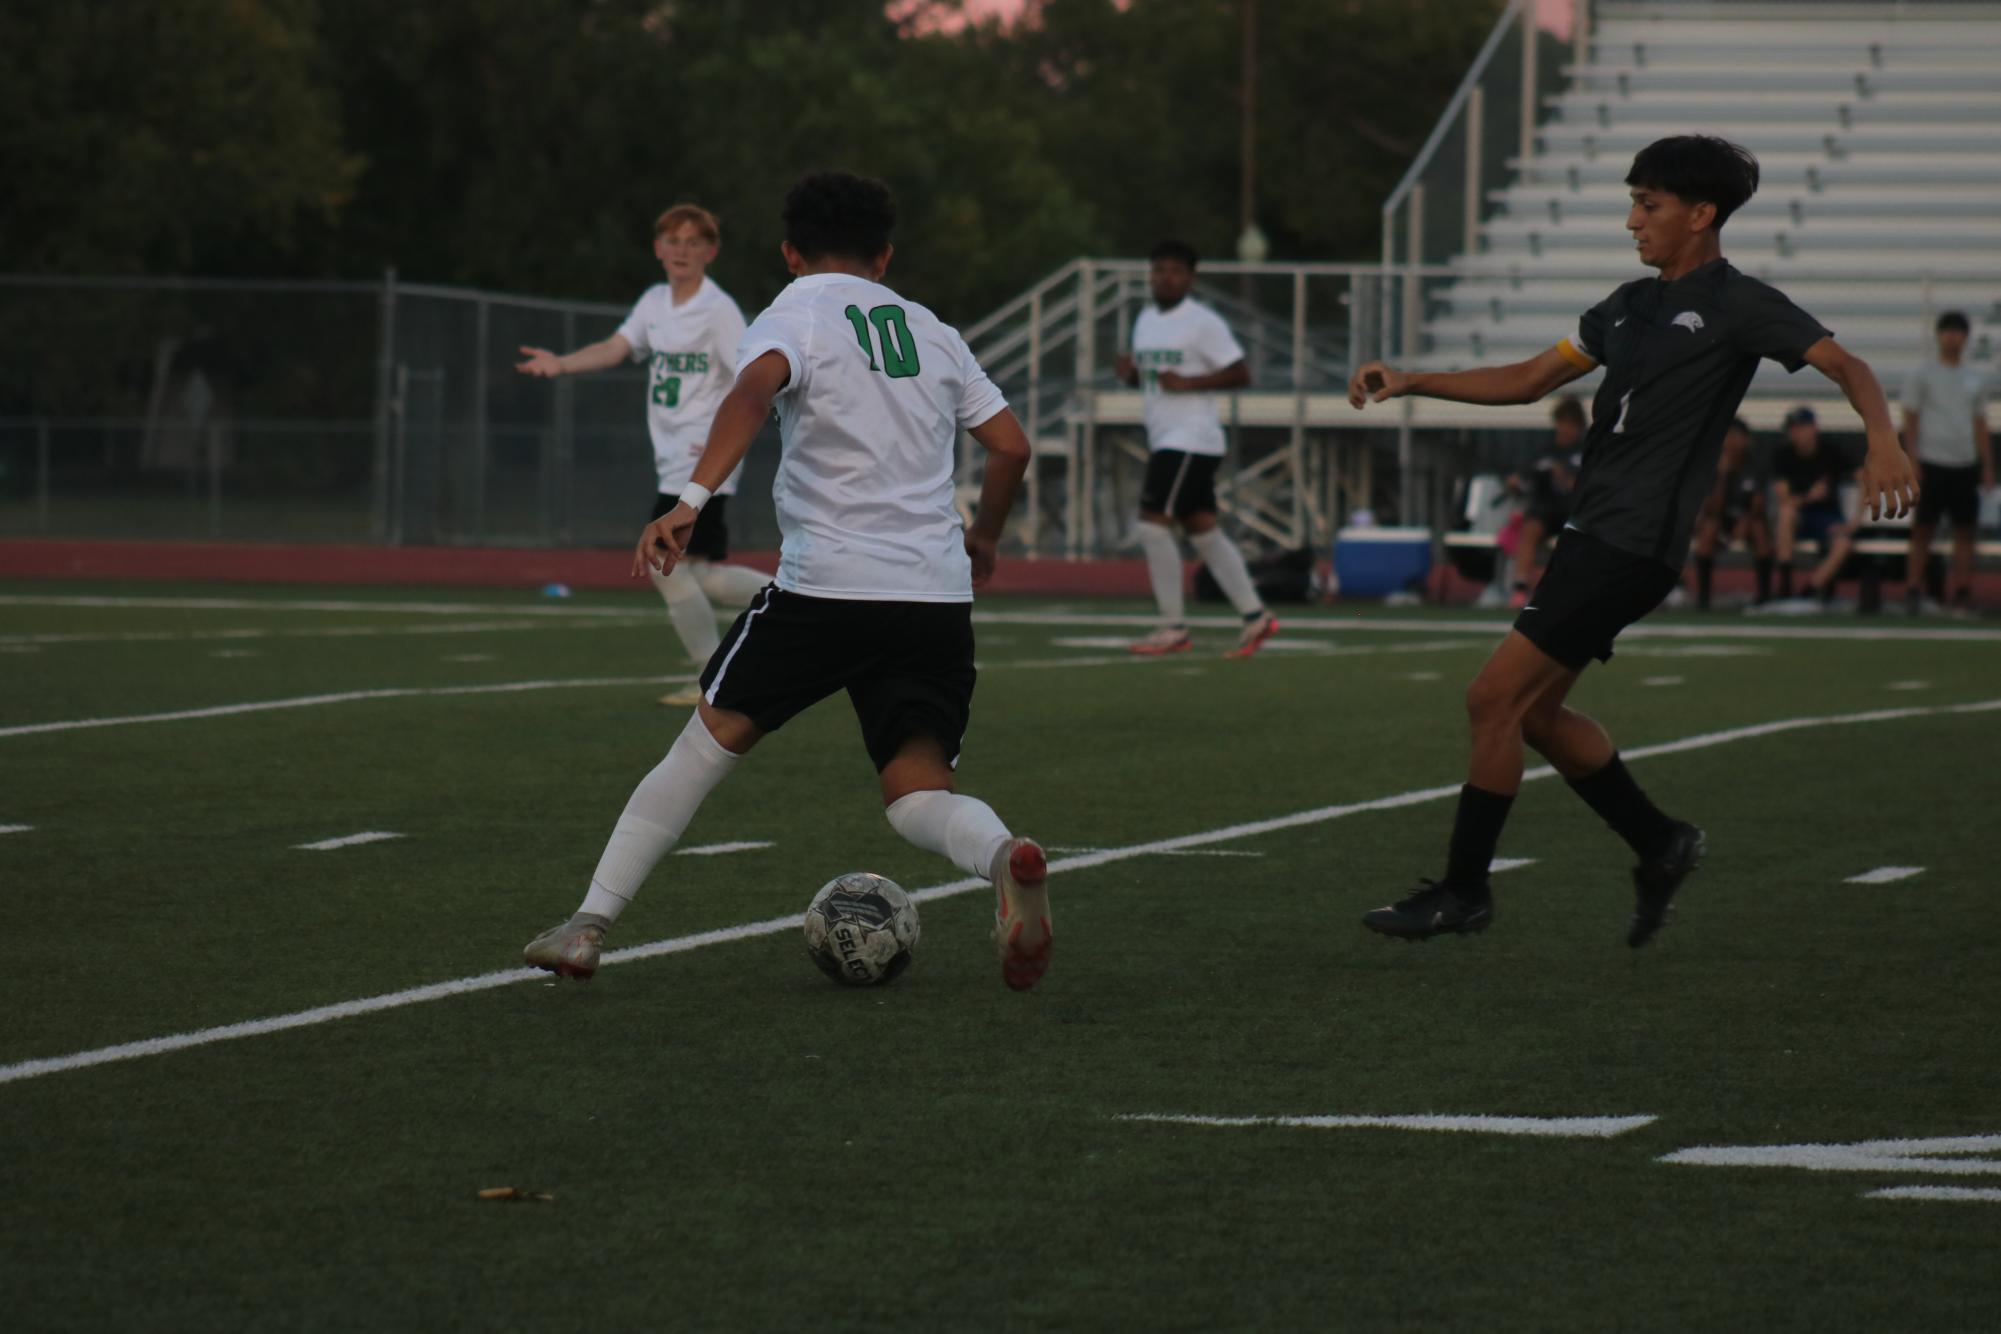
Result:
692,351
1190,339
869,420
1946,399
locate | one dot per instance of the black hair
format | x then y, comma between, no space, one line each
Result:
1698,169
1739,424
836,213
1954,319
1178,250
1568,408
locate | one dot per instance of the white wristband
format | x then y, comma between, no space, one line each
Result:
694,495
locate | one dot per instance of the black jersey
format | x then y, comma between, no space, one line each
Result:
1802,472
1678,357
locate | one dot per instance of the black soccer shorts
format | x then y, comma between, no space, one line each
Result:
1587,595
1179,484
711,538
1949,493
907,666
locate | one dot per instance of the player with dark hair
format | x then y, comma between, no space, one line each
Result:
1945,428
875,576
1679,351
1734,511
1182,354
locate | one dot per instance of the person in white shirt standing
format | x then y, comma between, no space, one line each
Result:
1945,429
875,579
686,329
1183,354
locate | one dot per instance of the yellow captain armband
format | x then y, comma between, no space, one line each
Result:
1570,352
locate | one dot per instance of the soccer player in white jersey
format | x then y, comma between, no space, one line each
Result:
875,580
686,329
1183,353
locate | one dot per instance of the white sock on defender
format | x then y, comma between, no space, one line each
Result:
1220,554
1163,569
656,815
729,585
688,608
964,829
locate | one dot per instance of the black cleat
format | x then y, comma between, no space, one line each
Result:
1656,879
1435,910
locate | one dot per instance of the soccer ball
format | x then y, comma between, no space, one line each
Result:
861,929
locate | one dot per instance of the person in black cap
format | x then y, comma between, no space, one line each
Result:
1810,474
1735,511
1678,350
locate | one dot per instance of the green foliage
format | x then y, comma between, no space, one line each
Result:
529,146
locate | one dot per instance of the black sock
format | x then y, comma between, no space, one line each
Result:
1785,581
1705,578
1619,802
1476,832
1763,565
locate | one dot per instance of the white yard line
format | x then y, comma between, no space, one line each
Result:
774,925
319,632
1661,680
1884,875
1908,685
1953,1155
1553,1127
347,841
1509,863
718,849
1981,1194
15,828
1189,852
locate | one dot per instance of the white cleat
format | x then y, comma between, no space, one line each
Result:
569,949
1021,916
1167,639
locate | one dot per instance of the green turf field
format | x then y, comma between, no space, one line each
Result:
732,1142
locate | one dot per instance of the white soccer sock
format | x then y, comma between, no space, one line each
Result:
964,829
688,608
1220,554
656,815
730,585
1163,569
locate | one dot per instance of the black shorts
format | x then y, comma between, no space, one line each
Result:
1953,493
711,538
1588,594
907,666
1179,484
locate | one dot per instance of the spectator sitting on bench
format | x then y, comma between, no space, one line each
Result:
1545,493
1735,511
1810,474
1945,430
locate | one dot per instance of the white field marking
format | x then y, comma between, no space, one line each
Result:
235,653
718,849
15,828
346,841
1926,1157
1421,676
468,657
1987,1194
343,697
1884,875
30,642
1185,852
776,925
1908,685
20,648
308,604
1661,680
1553,1127
1509,863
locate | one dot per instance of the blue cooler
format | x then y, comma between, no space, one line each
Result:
1374,562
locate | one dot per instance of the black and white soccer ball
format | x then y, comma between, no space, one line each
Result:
861,929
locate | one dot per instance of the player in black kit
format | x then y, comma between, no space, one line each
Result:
1679,351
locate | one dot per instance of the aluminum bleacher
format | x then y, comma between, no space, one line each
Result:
1878,129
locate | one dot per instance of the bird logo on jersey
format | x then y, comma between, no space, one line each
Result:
1689,320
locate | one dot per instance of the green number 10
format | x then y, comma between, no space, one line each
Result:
899,349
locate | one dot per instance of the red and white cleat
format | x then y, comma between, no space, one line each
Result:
1167,639
1255,634
1021,916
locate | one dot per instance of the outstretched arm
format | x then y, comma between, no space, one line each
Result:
1007,463
1523,382
1885,479
600,356
738,420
